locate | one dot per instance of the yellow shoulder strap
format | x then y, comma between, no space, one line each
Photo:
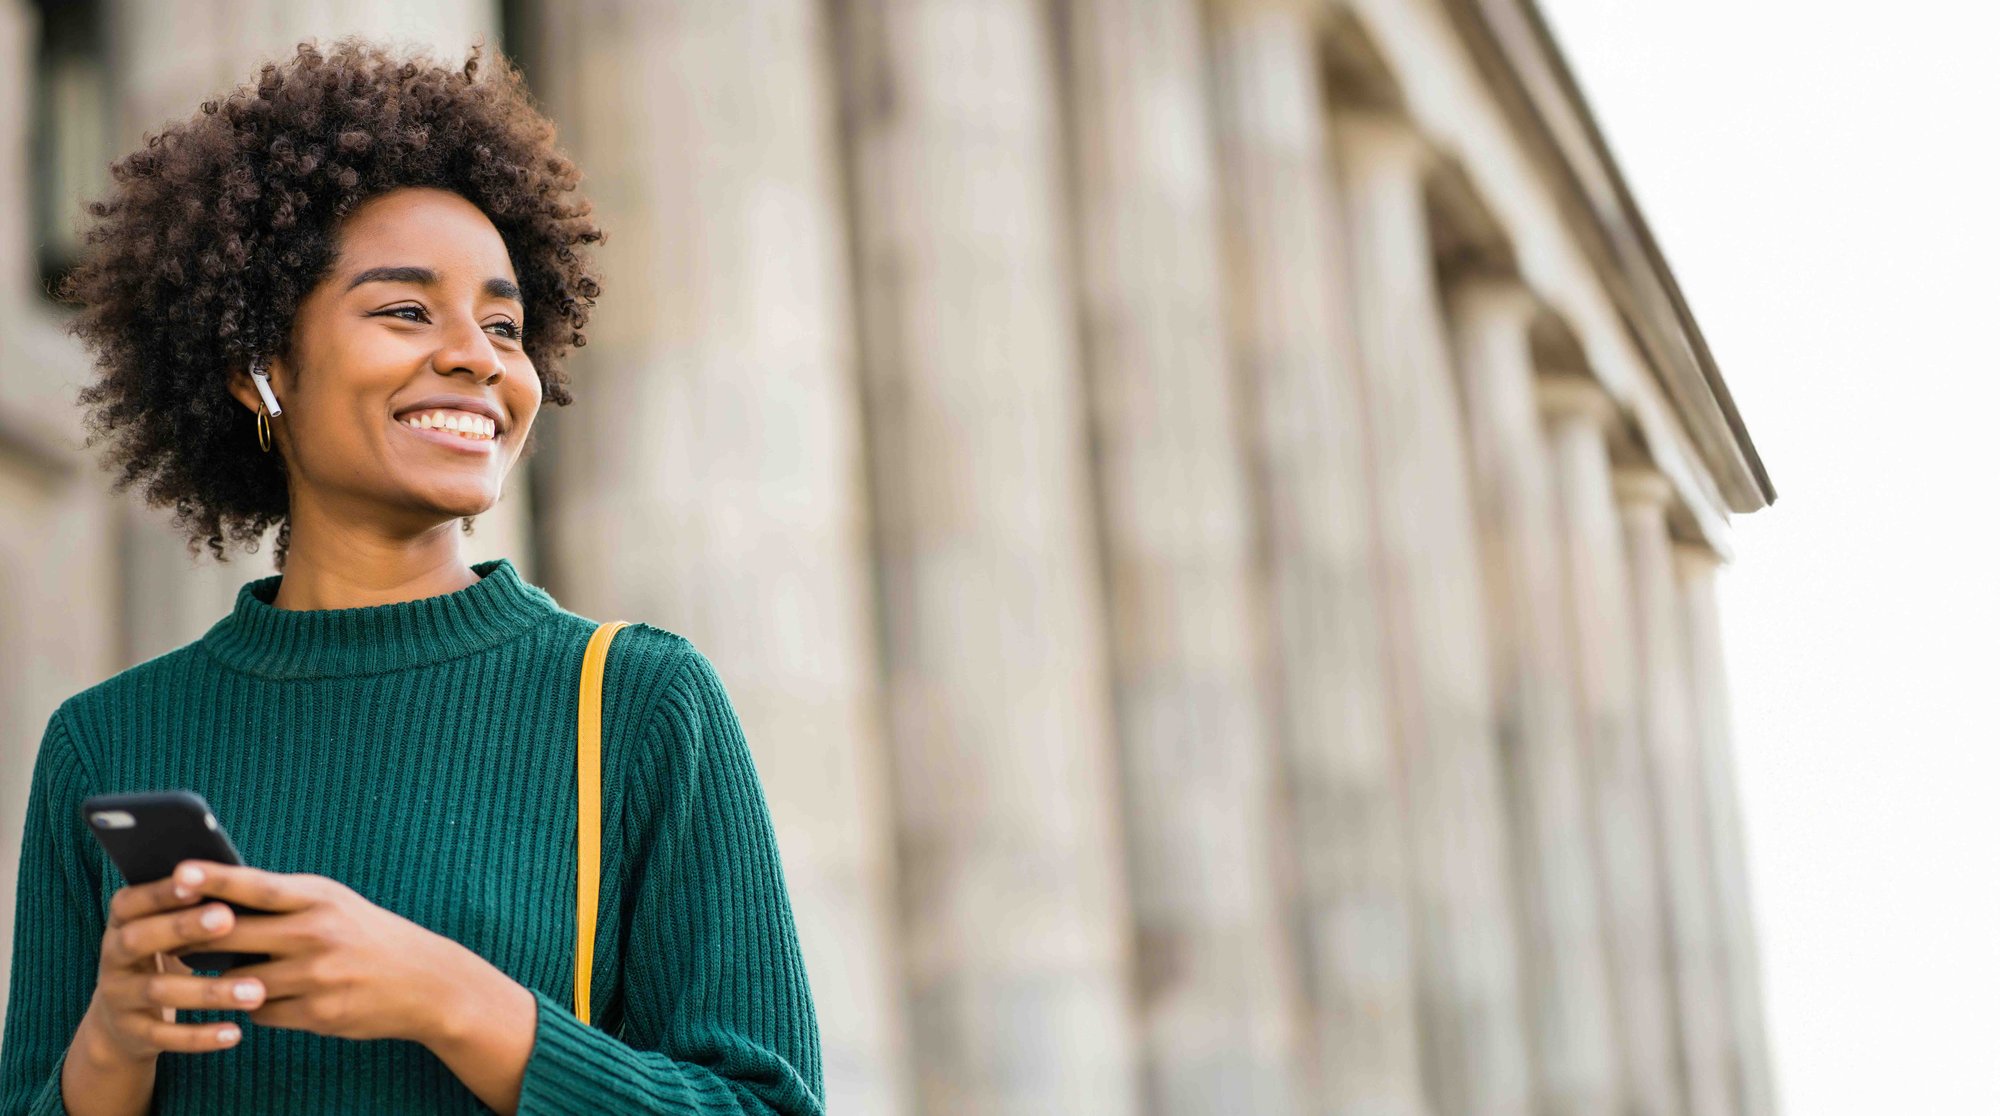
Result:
589,773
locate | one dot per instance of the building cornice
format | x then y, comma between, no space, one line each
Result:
1518,56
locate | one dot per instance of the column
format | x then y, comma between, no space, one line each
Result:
19,22
1303,421
1214,956
1564,960
1696,566
59,617
1678,789
1016,919
1578,415
709,475
1439,670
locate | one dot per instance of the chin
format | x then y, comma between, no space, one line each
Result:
463,507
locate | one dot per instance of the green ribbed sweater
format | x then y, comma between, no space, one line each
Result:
424,754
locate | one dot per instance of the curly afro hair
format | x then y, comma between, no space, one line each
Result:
215,230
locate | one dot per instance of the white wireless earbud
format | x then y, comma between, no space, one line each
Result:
263,381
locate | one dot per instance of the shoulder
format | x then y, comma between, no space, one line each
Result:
660,675
152,687
693,702
656,652
643,662
682,719
141,679
685,705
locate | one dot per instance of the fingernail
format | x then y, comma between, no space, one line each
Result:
212,917
228,1034
182,893
190,875
246,990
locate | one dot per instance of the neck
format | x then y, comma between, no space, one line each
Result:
356,571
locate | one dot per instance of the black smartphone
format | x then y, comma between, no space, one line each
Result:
148,833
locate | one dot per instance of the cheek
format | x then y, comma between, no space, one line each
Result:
524,407
355,442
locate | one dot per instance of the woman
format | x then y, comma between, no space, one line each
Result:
387,733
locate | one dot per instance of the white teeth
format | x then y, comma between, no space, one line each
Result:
476,427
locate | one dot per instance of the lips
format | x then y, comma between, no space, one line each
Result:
449,440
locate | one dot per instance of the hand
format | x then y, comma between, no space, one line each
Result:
340,965
139,985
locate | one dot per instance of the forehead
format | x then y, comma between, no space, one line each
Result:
425,227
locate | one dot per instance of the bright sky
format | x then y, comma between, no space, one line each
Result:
1822,179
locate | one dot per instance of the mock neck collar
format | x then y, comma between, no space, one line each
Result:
259,638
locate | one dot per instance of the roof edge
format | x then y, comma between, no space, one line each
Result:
1518,53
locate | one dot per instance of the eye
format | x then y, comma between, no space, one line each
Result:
513,328
400,310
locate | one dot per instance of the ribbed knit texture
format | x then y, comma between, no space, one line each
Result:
424,754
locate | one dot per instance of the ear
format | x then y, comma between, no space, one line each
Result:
245,390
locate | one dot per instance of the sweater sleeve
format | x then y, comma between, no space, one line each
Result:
718,1014
58,932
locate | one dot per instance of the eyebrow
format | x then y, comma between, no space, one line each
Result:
424,276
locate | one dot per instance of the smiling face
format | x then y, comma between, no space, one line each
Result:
421,302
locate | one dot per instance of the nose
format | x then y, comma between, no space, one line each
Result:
469,349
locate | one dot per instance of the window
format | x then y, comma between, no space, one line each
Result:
71,129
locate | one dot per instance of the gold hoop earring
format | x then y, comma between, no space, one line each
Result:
263,429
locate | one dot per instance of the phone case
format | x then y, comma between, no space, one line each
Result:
148,833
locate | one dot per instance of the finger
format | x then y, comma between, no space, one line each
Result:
281,977
290,933
134,943
295,1013
252,887
171,990
190,1038
162,962
139,900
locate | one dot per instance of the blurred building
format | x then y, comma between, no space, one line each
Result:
1260,482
